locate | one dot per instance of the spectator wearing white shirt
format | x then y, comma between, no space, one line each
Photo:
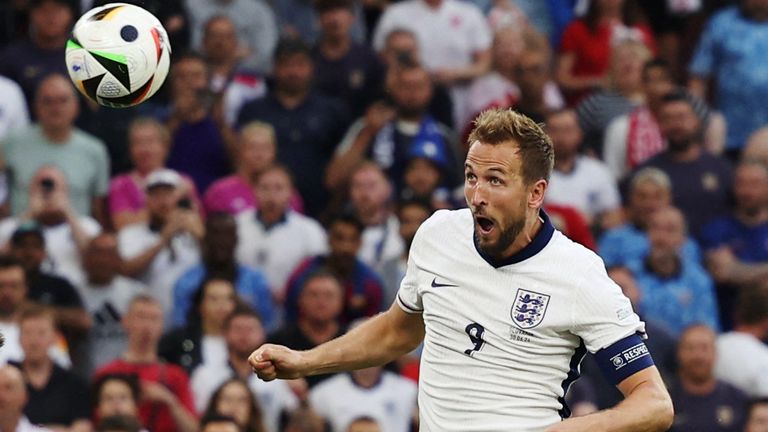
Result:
580,181
243,333
157,252
13,398
458,56
742,357
66,232
274,238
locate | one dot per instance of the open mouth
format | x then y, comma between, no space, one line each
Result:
485,225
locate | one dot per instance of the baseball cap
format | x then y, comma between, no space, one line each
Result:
27,228
163,177
429,150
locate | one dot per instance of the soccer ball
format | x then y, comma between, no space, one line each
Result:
118,55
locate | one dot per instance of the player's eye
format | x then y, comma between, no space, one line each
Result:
470,177
495,181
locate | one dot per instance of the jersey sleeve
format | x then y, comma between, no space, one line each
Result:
409,296
601,314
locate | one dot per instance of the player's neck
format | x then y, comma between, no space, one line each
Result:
526,236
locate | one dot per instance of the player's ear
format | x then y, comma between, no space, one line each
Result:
536,194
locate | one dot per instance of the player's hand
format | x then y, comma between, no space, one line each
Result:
276,361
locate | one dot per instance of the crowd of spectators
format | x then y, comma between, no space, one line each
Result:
272,188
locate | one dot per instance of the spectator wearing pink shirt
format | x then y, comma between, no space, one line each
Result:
148,143
256,152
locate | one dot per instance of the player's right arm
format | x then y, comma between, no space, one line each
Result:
379,340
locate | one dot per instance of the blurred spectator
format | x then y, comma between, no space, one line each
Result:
256,151
219,262
116,394
401,50
741,354
66,233
236,400
736,246
157,252
119,423
570,222
220,423
234,82
757,416
579,181
14,113
28,246
54,140
320,303
198,147
30,60
14,16
426,168
623,93
675,292
363,424
533,76
387,133
585,49
212,384
201,340
632,138
371,199
757,147
304,420
298,19
56,397
344,68
460,55
701,182
703,403
649,190
504,14
167,403
410,215
13,398
106,295
148,143
308,125
730,53
385,396
276,239
362,287
254,20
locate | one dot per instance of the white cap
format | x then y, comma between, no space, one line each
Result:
163,177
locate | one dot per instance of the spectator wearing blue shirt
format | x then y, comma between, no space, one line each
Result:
674,291
731,51
218,261
363,288
649,190
736,246
308,125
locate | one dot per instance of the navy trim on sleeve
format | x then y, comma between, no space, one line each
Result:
623,359
407,307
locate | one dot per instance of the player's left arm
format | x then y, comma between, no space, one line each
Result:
646,407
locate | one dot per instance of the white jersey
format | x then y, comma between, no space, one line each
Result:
391,401
504,340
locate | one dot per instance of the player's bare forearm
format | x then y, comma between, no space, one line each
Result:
379,340
647,407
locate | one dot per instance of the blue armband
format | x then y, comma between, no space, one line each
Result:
623,359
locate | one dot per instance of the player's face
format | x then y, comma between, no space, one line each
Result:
696,353
496,194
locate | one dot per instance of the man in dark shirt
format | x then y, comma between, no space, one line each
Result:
343,67
702,403
28,246
29,61
57,397
307,124
701,182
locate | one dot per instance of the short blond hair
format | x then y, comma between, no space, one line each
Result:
501,125
255,127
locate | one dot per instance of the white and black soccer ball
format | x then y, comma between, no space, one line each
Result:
118,55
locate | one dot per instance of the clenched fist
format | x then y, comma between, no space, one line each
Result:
276,361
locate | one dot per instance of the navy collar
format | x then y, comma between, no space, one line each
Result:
539,242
